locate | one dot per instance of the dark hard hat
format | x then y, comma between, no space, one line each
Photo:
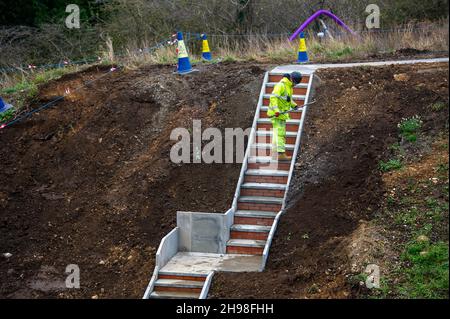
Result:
296,77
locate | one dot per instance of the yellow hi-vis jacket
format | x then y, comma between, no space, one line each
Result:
279,100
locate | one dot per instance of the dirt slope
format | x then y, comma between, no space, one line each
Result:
337,183
90,182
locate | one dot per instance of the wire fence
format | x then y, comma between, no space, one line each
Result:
193,36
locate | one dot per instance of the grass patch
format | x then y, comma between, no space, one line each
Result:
5,116
439,106
428,274
339,53
391,165
410,127
50,75
27,88
408,217
21,87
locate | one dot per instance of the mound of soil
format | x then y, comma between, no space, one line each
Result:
338,184
90,181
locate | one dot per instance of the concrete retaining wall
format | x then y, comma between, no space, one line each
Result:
203,232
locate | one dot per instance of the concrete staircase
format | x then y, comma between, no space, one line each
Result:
185,263
262,193
178,285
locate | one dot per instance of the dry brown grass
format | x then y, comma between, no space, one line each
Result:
269,49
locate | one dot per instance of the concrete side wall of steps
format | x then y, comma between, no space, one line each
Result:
168,248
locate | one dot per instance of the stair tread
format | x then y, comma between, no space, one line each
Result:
267,120
263,172
264,186
180,274
264,159
260,199
269,146
255,213
246,243
272,84
299,109
295,97
270,133
251,228
174,295
179,283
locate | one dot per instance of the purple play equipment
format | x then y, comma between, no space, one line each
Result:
313,17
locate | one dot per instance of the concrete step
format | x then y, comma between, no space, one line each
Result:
265,137
250,228
275,77
263,192
268,121
264,124
246,243
262,203
260,200
270,133
250,232
254,217
264,186
273,166
267,163
301,85
181,276
294,115
179,283
294,97
173,295
264,160
266,109
271,176
265,146
254,214
262,172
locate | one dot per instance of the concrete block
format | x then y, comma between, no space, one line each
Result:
202,232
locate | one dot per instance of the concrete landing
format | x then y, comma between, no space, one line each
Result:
199,263
310,68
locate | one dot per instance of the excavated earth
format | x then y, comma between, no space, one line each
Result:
90,181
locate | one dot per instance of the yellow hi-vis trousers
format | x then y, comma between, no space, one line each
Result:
279,135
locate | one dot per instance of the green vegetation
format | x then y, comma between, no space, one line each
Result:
428,274
36,12
339,53
424,268
439,106
27,88
415,214
409,128
49,75
5,116
391,165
